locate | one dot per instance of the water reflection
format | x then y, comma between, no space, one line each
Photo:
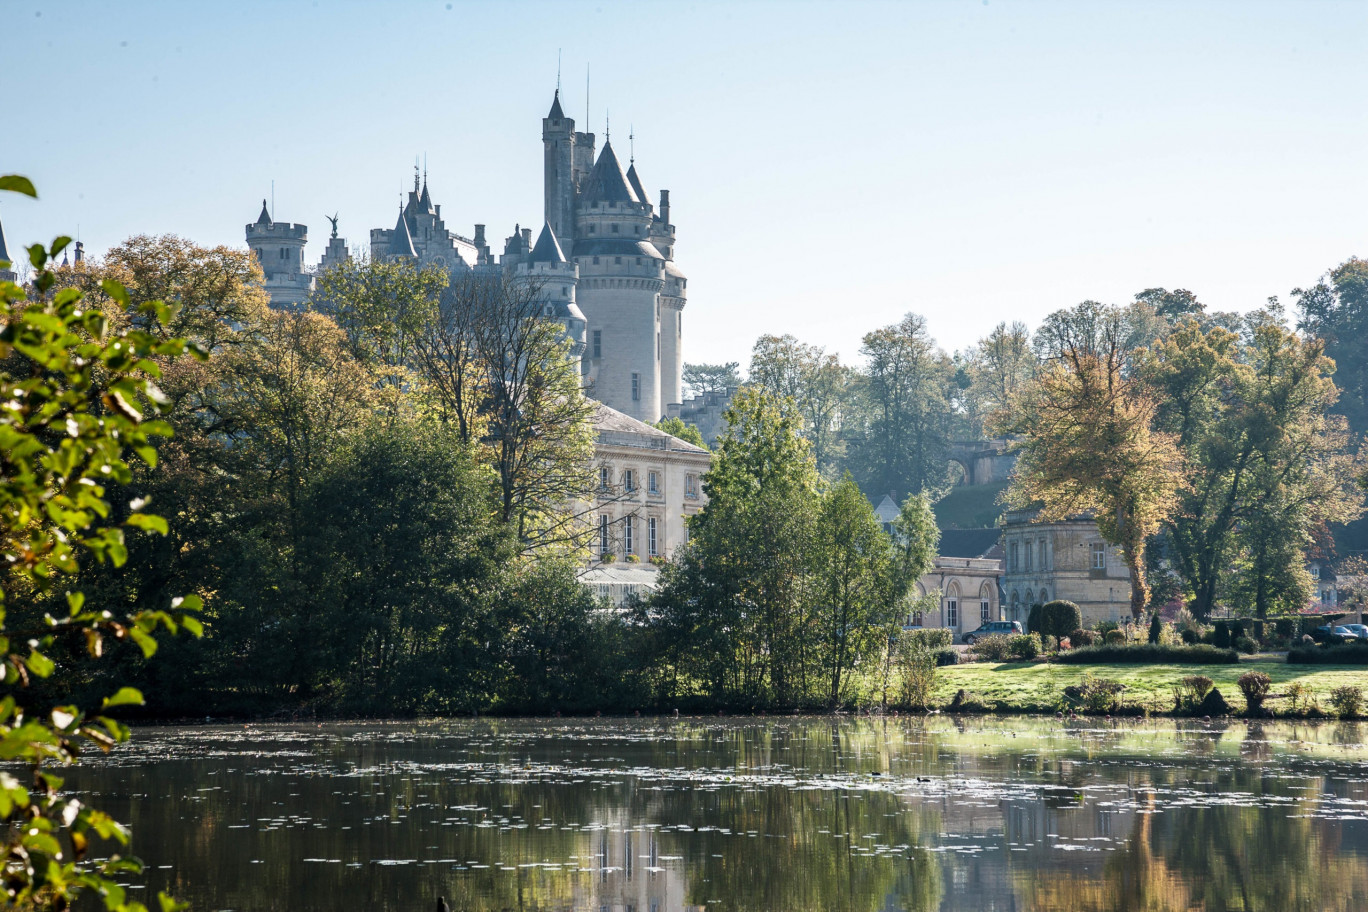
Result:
759,814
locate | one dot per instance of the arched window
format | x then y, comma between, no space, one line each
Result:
952,600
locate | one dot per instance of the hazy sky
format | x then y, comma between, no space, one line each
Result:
831,166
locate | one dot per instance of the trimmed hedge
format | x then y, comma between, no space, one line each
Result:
946,657
1328,655
1150,653
929,637
1057,618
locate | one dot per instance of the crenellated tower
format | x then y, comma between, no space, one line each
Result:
279,248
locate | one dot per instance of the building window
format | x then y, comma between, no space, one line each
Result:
1013,563
596,262
598,343
1315,571
1099,556
1044,558
657,346
951,613
603,534
593,228
690,486
653,483
283,253
604,477
985,614
615,230
617,261
629,480
1030,551
627,536
914,619
636,387
651,537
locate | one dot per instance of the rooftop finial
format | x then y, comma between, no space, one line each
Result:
415,175
607,126
558,68
631,143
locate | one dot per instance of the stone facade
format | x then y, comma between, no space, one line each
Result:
649,484
1062,560
279,248
969,597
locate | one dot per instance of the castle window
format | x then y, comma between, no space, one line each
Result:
596,262
1030,550
598,343
284,253
651,537
592,228
615,231
657,346
617,261
565,291
636,387
638,229
638,261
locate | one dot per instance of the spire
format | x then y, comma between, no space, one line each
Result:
401,244
635,181
264,220
606,183
548,249
556,112
425,201
4,252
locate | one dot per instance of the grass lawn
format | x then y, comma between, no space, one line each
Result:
1038,686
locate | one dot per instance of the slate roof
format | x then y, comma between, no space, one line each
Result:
635,180
616,425
401,242
265,218
887,510
547,248
606,183
425,204
968,542
556,112
621,246
4,251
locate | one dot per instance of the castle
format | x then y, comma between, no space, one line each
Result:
603,260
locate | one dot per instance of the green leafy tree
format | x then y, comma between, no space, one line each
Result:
702,379
686,432
1335,310
998,367
816,383
76,393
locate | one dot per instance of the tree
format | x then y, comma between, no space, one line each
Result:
677,427
1094,328
854,560
1335,310
76,393
702,379
1173,306
998,367
815,382
737,599
901,444
1087,445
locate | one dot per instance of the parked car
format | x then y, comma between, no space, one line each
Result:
992,627
1334,634
1358,630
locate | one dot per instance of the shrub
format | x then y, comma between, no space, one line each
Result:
1246,645
1106,627
1286,627
1220,635
965,701
633,559
1049,644
928,637
1033,619
1115,636
1347,700
946,657
1145,653
1024,646
1254,685
917,678
1059,617
1083,637
1156,628
992,648
1095,695
1299,697
1348,654
1190,694
1189,636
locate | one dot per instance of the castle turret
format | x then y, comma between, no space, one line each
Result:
621,277
555,278
279,248
401,241
672,300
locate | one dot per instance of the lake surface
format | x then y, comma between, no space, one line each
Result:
774,813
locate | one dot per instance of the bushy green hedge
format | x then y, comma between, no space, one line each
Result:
946,657
1058,618
928,637
1349,654
1146,652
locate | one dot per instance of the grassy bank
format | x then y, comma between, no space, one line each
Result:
1038,687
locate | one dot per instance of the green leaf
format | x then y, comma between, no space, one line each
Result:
125,696
148,522
115,291
58,245
39,664
146,643
17,184
187,603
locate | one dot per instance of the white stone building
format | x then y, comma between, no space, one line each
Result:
1063,560
605,258
649,484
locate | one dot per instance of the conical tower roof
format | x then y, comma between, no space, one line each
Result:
556,112
547,249
606,183
635,181
4,251
401,244
425,201
264,220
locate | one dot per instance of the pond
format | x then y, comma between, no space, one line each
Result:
792,814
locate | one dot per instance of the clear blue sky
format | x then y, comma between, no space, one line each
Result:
832,166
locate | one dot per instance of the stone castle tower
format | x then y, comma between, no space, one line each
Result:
630,291
279,248
604,261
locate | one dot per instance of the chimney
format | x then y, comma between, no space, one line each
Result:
527,238
665,206
479,236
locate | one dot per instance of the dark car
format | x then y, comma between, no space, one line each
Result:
992,627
